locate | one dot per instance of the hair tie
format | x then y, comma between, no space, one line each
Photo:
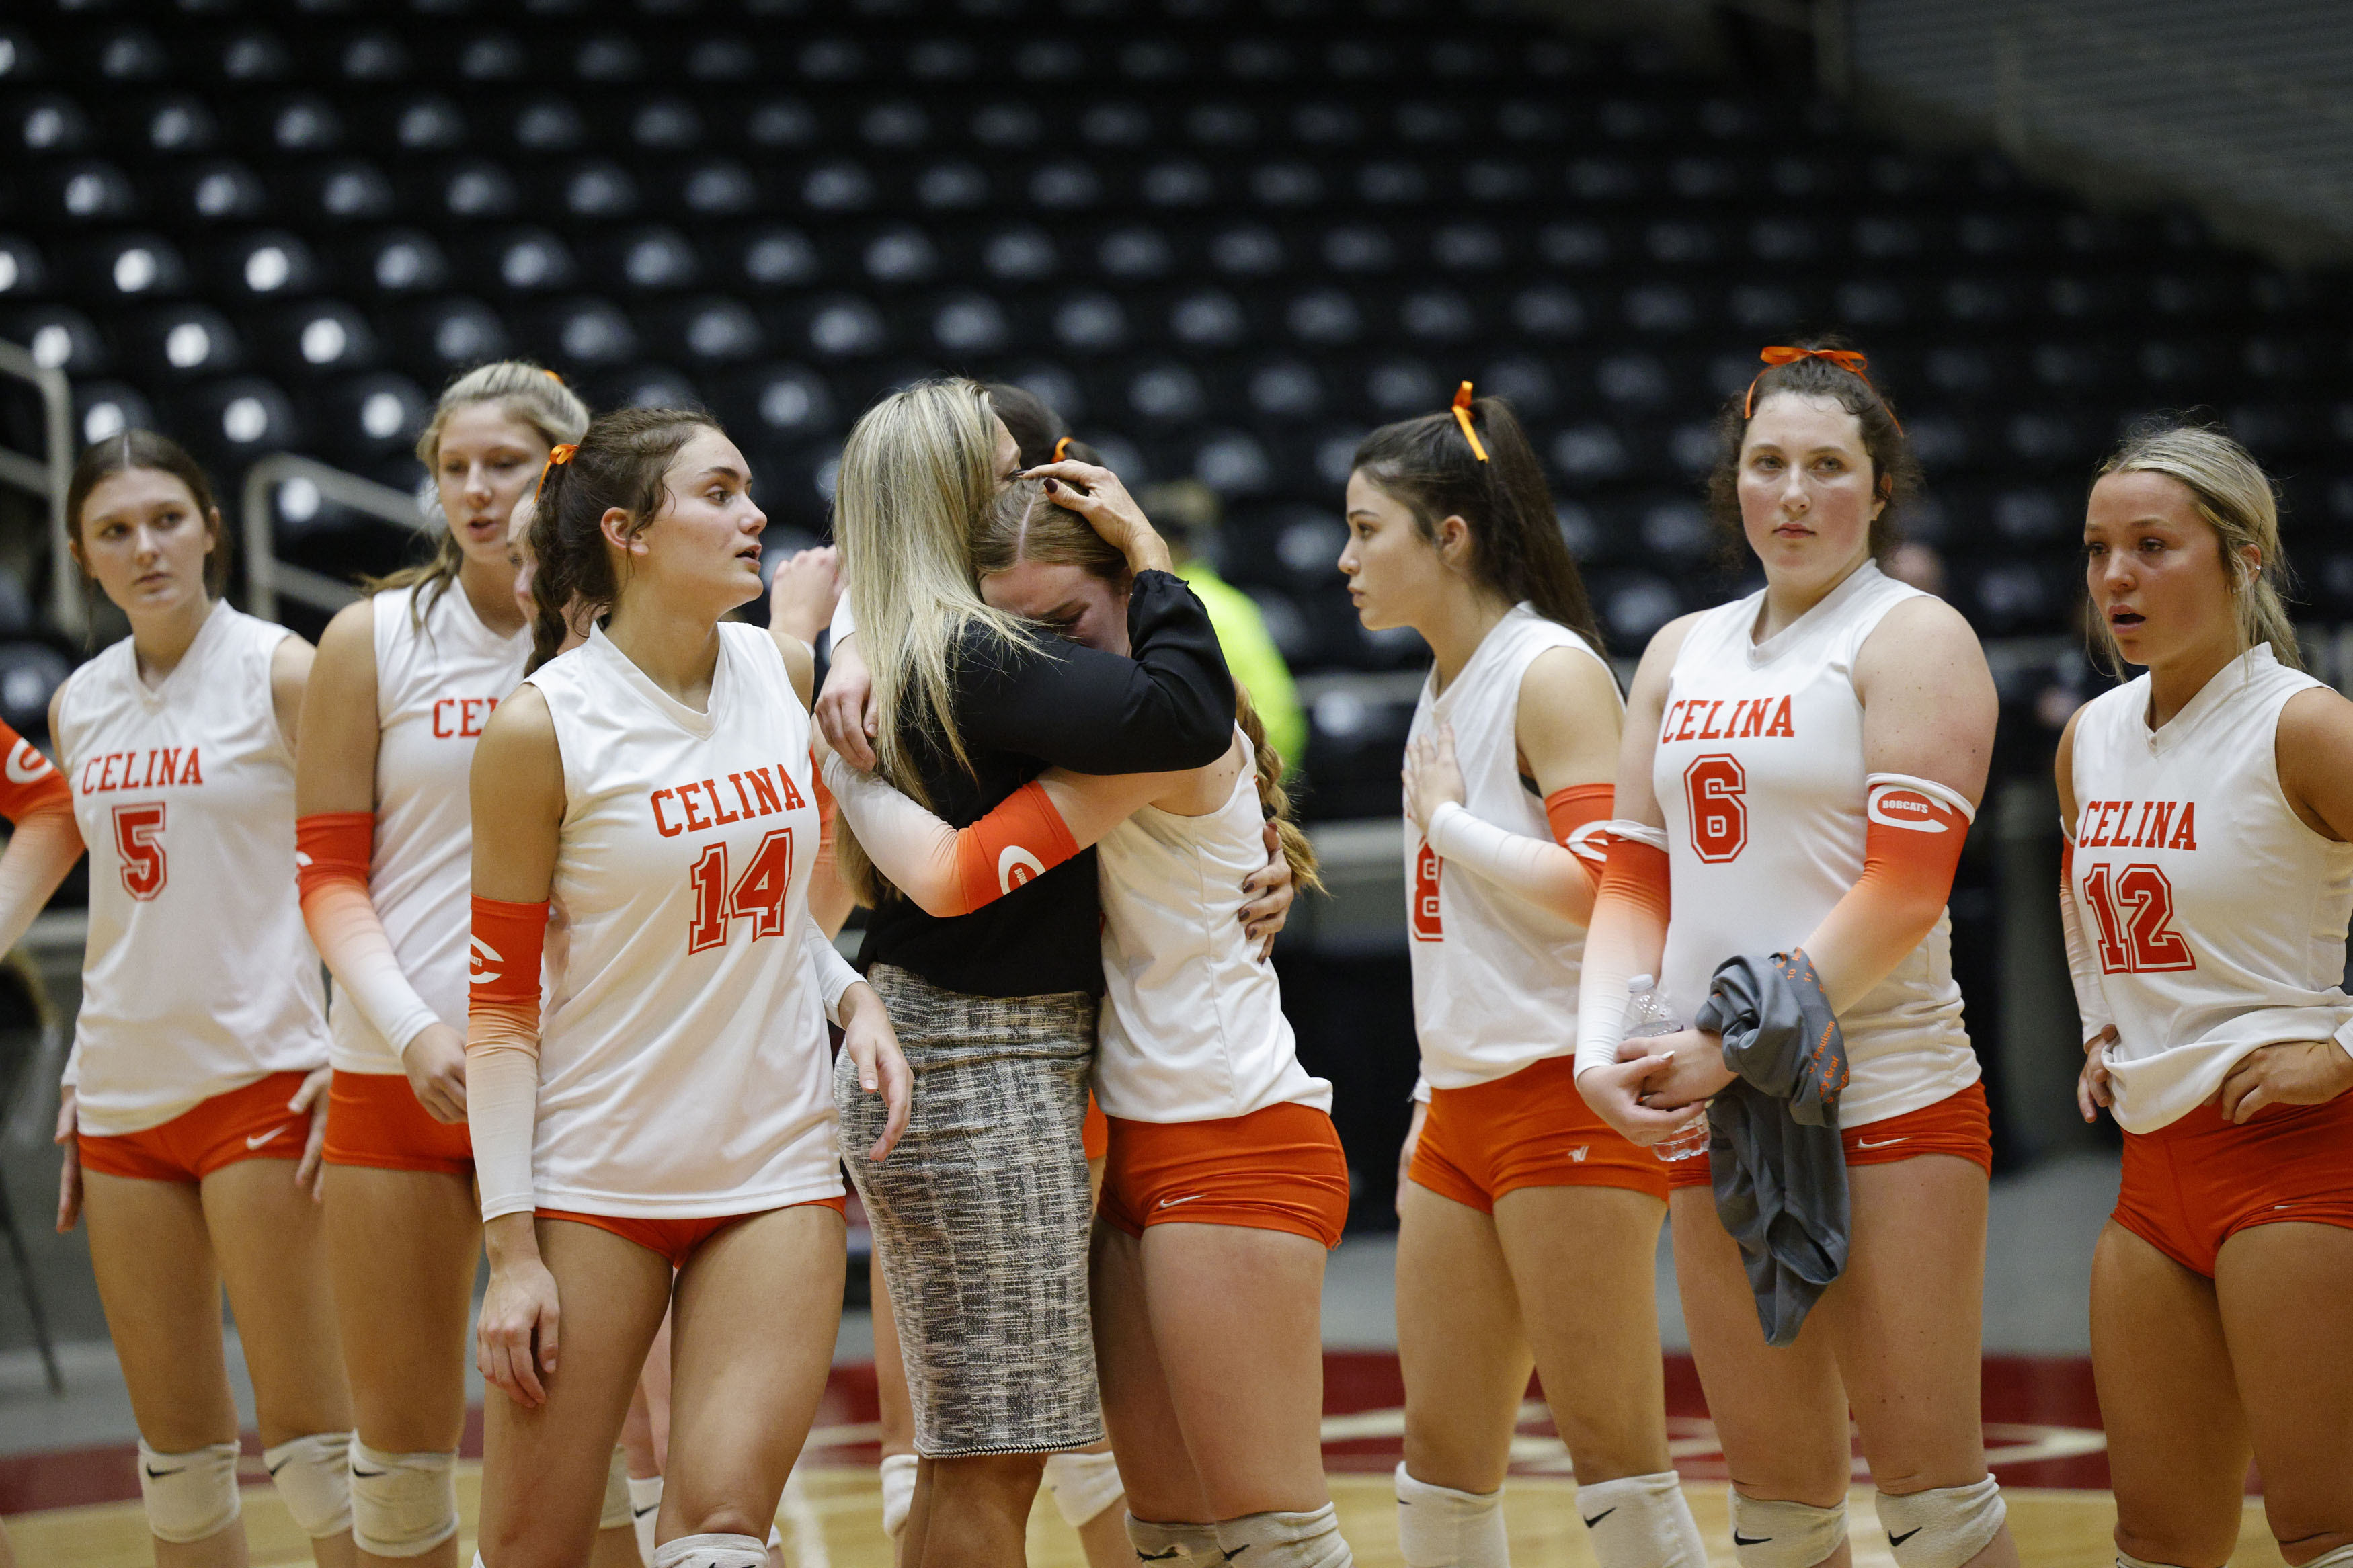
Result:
1463,417
557,457
551,375
1847,359
1061,447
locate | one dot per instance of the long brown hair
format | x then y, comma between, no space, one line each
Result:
1894,471
119,454
1429,467
1023,525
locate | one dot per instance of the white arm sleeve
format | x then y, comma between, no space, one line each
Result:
832,972
1536,869
502,1111
2082,964
909,844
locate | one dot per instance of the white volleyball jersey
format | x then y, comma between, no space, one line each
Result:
436,687
1192,1027
1494,976
683,1065
2217,916
1759,772
199,977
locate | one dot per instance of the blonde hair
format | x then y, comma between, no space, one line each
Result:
2236,498
918,468
1023,525
523,391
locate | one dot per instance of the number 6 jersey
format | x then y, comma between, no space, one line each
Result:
199,977
2216,915
683,1068
1759,773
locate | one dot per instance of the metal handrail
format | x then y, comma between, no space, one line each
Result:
266,577
49,478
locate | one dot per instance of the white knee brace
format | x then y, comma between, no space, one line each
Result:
1287,1539
403,1505
1438,1527
615,1514
898,1492
1784,1534
1944,1528
314,1480
645,1510
189,1496
1083,1485
1176,1544
712,1552
1641,1522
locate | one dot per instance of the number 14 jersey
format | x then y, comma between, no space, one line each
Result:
1759,773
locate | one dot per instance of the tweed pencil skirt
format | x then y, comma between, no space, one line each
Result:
981,1214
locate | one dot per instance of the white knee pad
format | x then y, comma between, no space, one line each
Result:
712,1552
189,1496
898,1492
1641,1522
645,1509
313,1475
1287,1539
1944,1528
615,1514
1438,1527
1176,1544
403,1505
1784,1534
2126,1560
1083,1485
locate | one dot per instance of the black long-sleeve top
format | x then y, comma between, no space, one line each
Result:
1052,703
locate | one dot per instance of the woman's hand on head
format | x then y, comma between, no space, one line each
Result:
1097,495
1432,776
845,707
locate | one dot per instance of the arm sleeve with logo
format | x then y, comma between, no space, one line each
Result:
1628,936
331,851
2082,964
948,871
502,1050
35,799
1910,850
1560,875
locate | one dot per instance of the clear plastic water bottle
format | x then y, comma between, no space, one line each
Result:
1646,1015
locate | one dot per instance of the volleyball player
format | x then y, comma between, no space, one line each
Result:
404,682
1808,760
201,1018
2208,804
1527,1227
671,1112
1226,1184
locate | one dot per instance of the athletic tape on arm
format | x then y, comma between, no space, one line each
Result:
331,852
1559,874
1911,845
2082,964
1628,937
502,1050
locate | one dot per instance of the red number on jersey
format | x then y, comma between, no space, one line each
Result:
1713,786
1423,905
2142,942
759,896
139,839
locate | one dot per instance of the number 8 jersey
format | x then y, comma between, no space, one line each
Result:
2216,917
683,1067
199,977
1759,773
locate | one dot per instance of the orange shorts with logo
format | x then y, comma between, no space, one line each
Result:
248,1123
1095,1136
374,1120
1277,1169
1528,1129
1957,1124
678,1239
2190,1187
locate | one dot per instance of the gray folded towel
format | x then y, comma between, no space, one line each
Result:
1773,1147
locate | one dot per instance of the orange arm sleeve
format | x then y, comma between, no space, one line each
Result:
503,971
333,849
1628,937
1911,847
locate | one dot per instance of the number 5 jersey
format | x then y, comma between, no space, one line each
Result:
1759,772
2216,917
199,977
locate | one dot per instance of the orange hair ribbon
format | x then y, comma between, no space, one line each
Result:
1061,447
557,457
1847,359
1463,417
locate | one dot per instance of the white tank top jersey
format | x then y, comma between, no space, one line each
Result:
1192,1027
2218,916
199,977
435,689
683,1067
1494,976
1759,773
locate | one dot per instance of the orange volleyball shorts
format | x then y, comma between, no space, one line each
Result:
2190,1187
1529,1128
1276,1169
374,1120
248,1123
1957,1124
678,1239
1095,1135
